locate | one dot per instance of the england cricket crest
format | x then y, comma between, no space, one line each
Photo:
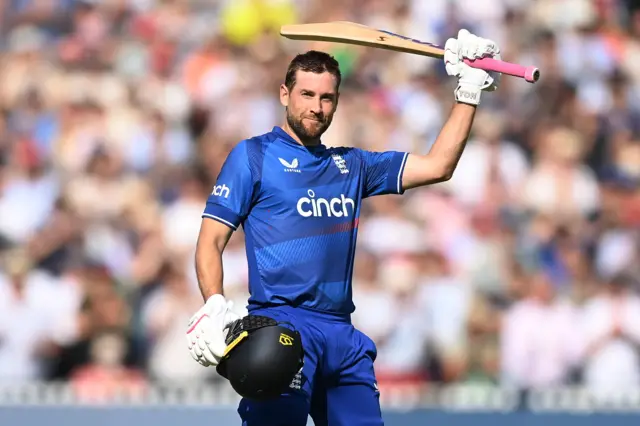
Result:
340,163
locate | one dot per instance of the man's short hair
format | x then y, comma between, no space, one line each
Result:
312,61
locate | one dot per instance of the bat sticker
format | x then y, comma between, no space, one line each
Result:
409,39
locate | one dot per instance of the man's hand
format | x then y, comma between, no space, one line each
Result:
206,330
471,81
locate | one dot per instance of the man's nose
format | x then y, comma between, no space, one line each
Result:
316,107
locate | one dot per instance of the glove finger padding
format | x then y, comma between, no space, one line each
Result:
193,355
451,52
208,355
474,47
451,59
468,45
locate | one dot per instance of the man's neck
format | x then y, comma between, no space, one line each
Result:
306,142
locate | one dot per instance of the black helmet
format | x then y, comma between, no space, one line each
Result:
262,357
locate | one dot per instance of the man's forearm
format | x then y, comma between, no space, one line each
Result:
438,165
450,143
209,271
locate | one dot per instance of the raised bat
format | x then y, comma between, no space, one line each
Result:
351,33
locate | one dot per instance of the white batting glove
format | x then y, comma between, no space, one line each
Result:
205,332
471,81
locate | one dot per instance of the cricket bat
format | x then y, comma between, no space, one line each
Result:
362,35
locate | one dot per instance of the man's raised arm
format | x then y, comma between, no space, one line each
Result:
439,164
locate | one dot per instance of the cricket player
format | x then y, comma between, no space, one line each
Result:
298,202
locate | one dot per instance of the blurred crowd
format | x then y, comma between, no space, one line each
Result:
116,115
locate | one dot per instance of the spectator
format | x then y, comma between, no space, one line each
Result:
534,357
612,337
105,379
491,171
559,184
446,299
404,351
374,313
31,183
36,319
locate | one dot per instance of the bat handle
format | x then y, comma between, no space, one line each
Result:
530,74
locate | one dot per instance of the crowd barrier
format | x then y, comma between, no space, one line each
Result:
163,405
212,416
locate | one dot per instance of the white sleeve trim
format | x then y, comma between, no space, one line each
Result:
219,219
404,161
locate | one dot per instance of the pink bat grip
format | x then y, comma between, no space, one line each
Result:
531,74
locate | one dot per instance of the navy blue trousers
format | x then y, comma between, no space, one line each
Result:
337,386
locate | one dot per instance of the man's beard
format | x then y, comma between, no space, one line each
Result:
307,135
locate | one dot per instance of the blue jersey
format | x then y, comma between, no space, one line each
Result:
299,208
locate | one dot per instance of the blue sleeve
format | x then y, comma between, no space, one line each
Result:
230,200
383,172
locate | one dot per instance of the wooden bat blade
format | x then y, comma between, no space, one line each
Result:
357,34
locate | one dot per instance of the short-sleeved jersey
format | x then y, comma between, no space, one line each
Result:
299,208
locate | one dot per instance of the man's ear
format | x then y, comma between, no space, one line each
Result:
284,95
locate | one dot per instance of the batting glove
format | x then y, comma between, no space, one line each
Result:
206,330
471,81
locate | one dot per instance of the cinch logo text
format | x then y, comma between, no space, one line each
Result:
221,190
319,207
